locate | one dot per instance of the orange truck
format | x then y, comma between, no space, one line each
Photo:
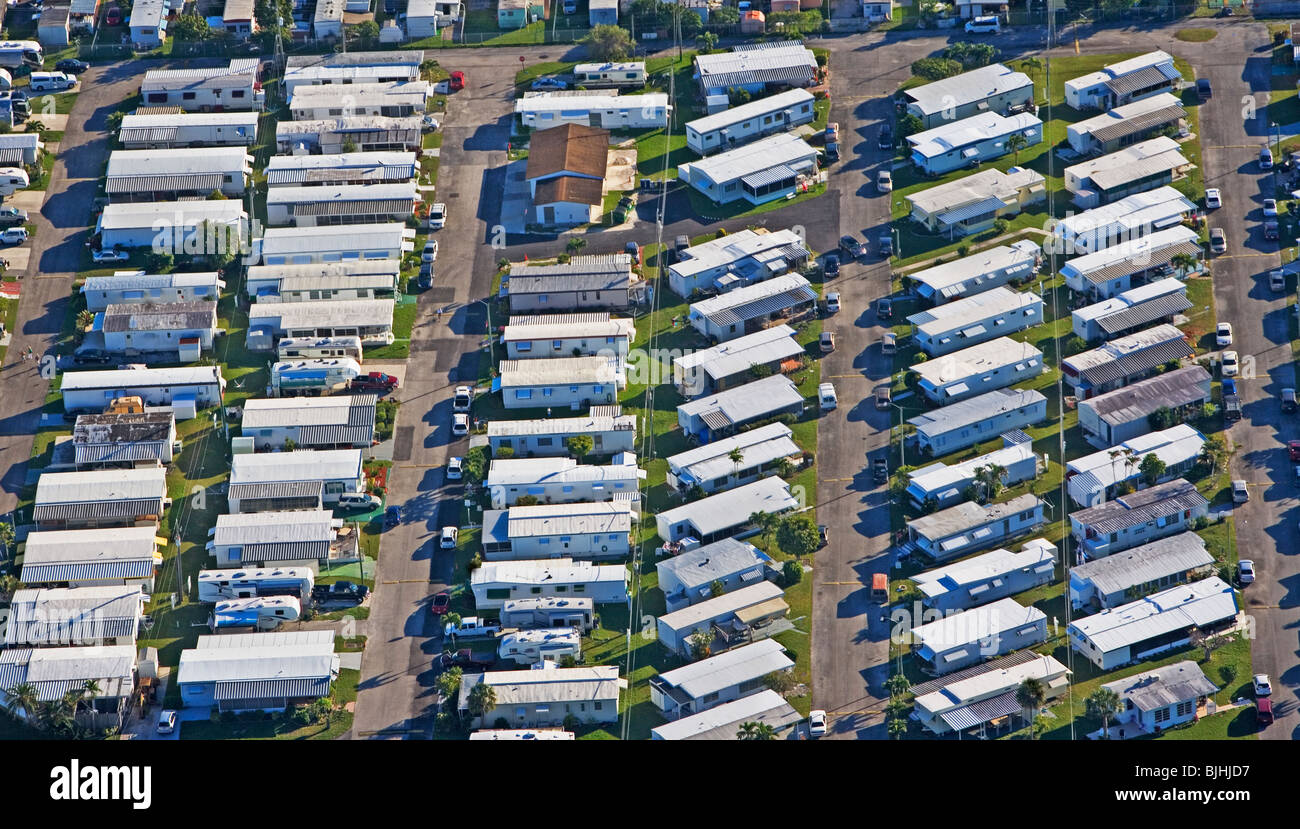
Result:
880,588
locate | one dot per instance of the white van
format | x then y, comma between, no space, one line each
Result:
51,82
984,26
826,395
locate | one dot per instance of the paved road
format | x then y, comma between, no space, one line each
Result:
56,255
1266,525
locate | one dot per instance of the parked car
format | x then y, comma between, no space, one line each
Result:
114,16
827,341
1288,400
884,181
1277,280
623,210
1218,240
462,399
634,250
816,724
109,255
542,84
430,251
1245,571
832,132
441,603
437,216
447,540
852,248
886,245
885,141
1270,229
1265,158
1230,365
91,358
455,469
1263,705
830,265
826,397
1213,199
166,721
985,25
889,343
1203,90
392,517
358,501
13,236
1240,493
376,381
1270,208
1263,688
460,424
12,216
884,396
429,124
832,302
425,279
681,243
885,308
1293,450
1223,335
71,66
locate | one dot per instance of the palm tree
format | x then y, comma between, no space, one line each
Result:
7,539
755,731
1184,262
1030,696
736,457
897,728
1103,704
22,697
897,685
1015,144
990,476
1214,452
482,699
575,244
766,523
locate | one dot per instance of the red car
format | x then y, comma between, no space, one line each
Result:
1293,449
113,17
441,602
456,82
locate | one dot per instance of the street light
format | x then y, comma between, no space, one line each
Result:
1277,155
487,305
902,452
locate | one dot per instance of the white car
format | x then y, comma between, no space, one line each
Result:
1277,280
430,251
166,721
460,424
1270,208
826,394
833,302
884,181
1213,199
448,539
1230,366
1246,571
989,24
1223,334
14,236
1240,492
455,469
1262,686
437,216
816,723
109,255
429,124
463,399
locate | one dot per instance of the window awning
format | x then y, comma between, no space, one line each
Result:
960,388
974,331
969,152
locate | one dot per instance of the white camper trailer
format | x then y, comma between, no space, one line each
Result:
253,614
224,585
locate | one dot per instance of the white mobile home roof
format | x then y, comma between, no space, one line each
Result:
348,238
703,565
540,734
987,125
1119,69
548,571
561,425
961,574
689,617
568,519
132,215
52,616
968,87
240,70
307,169
596,325
299,465
70,555
734,506
986,681
753,109
336,410
734,356
143,281
1175,445
53,672
1130,298
977,187
146,13
717,673
402,191
276,638
554,371
971,310
937,477
732,248
344,59
323,312
628,66
1173,388
975,624
530,471
177,162
1121,347
759,63
101,485
975,409
1136,161
1201,604
1019,258
1147,564
1134,251
766,706
768,288
610,99
968,515
547,685
989,356
759,446
274,527
1127,112
748,401
344,96
258,662
764,154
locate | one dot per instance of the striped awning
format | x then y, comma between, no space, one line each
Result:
716,420
1131,365
11,155
762,307
1144,312
148,135
163,184
343,175
332,434
87,510
1146,78
285,550
970,211
273,689
276,489
153,450
1146,263
79,630
359,207
1139,123
766,177
139,568
978,713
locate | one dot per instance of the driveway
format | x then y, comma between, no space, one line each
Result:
52,263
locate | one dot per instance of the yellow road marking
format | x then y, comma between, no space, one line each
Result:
845,376
407,581
835,480
842,582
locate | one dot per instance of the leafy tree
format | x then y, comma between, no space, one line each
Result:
367,31
1103,704
114,122
737,457
580,445
971,55
1000,226
1183,262
782,682
897,685
1161,418
505,452
608,43
798,535
448,682
575,244
791,573
571,722
755,731
159,262
217,195
990,479
766,523
190,27
1228,673
22,698
785,468
737,95
526,501
474,465
708,41
1215,453
349,146
7,540
1030,695
724,14
482,699
935,69
897,728
700,643
85,319
1151,469
1207,642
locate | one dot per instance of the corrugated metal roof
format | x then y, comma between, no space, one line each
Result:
61,616
272,689
1141,79
1176,388
1143,313
1138,362
1164,686
1204,604
1141,507
991,204
54,672
1148,564
164,183
1139,123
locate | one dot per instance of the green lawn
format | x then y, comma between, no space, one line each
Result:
275,727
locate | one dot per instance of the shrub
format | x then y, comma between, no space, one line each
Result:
792,573
571,722
935,69
500,722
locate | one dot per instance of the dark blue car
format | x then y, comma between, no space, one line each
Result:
392,517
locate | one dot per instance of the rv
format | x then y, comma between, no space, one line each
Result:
223,585
16,53
253,614
597,75
318,348
312,377
527,647
13,179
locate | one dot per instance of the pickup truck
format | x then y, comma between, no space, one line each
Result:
472,627
467,658
880,470
1231,408
340,591
374,381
